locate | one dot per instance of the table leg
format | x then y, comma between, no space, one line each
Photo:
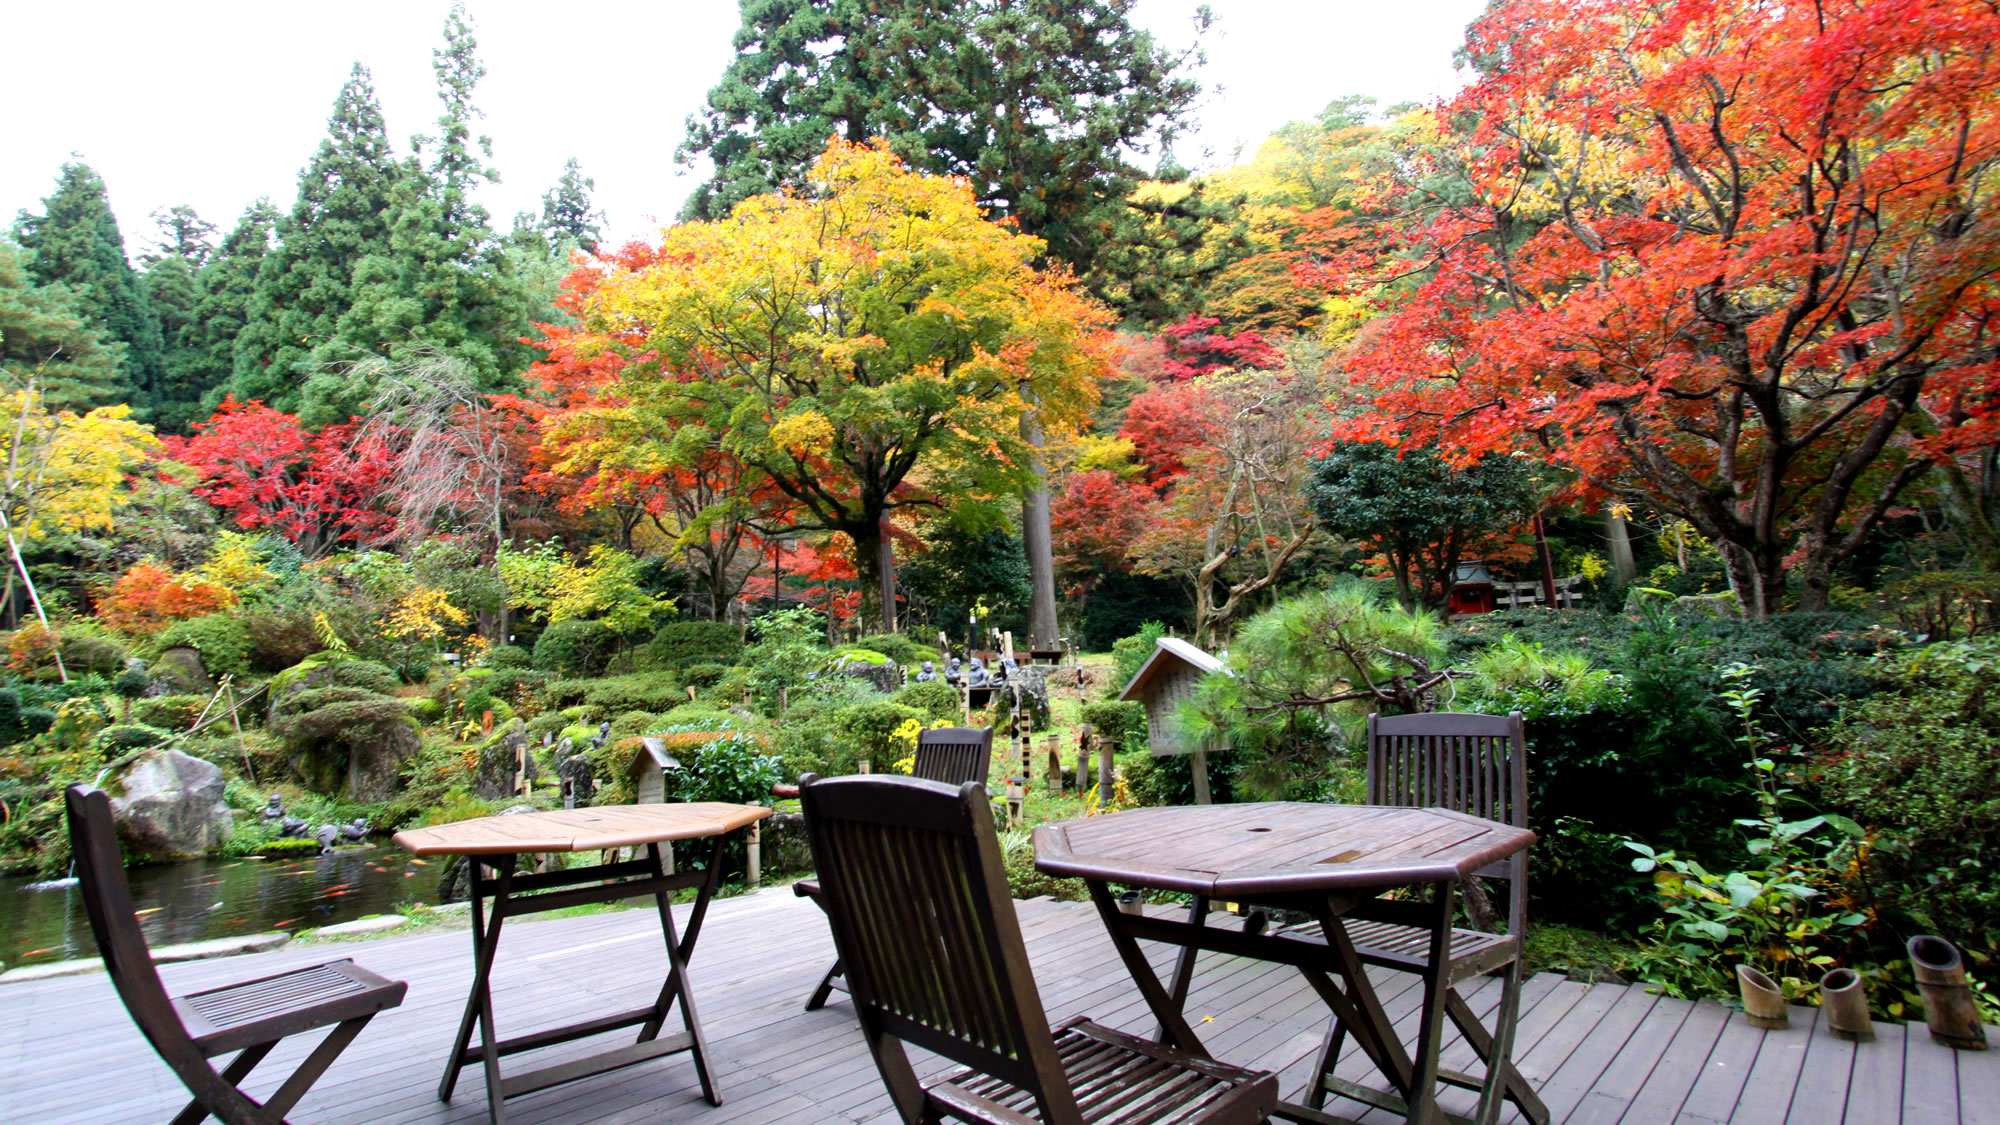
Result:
1184,964
479,1005
1358,1009
1430,1030
1174,1027
679,950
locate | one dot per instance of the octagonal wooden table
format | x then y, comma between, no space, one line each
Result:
1331,862
492,847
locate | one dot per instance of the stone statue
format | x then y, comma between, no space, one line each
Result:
274,813
292,828
1010,669
975,674
603,733
953,673
328,835
928,674
356,832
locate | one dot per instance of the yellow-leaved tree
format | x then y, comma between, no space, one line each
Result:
63,472
870,343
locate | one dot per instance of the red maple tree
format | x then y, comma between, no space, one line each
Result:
1726,259
266,471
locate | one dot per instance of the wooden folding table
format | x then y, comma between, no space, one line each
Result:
492,847
1326,861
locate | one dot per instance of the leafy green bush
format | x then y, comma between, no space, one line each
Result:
509,656
87,650
11,728
729,690
37,720
426,710
1920,766
1124,723
704,675
898,648
280,639
575,648
870,728
788,651
122,738
681,643
643,691
733,767
1129,654
934,698
222,640
171,712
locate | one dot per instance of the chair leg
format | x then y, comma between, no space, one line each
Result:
234,1074
1329,1058
315,1064
1495,1049
825,988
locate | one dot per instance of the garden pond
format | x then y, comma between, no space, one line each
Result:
216,898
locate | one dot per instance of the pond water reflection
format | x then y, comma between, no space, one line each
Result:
204,899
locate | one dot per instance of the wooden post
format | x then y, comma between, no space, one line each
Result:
1054,779
520,768
1199,766
229,694
1107,783
754,845
485,724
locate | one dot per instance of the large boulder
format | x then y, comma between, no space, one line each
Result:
169,805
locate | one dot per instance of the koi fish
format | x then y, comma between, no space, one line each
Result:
337,894
148,910
44,949
339,886
286,922
409,874
420,863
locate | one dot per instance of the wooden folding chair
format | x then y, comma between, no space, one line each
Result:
911,879
1473,764
953,755
248,1019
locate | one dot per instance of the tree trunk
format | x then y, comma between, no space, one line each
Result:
1038,540
1622,562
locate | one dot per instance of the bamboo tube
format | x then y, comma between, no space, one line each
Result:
1763,1000
1846,1005
1948,1006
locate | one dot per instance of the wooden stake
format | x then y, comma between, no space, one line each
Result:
249,772
1200,769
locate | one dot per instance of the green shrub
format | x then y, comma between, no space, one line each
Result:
1124,723
11,727
279,640
734,768
870,728
1129,654
122,738
37,720
85,650
575,648
1920,766
704,675
171,712
632,724
559,695
681,643
934,698
787,653
222,640
643,691
898,648
509,656
728,691
426,710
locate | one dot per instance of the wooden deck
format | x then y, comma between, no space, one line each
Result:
1599,1054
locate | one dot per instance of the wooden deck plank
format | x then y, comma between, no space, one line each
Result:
1767,1094
1820,1096
1659,1100
1875,1093
1592,1050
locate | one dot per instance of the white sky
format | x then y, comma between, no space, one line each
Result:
215,102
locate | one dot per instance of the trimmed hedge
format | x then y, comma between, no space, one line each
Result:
681,643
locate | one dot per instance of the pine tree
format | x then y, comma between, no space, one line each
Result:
445,284
46,334
305,283
568,220
75,242
183,234
1034,101
200,350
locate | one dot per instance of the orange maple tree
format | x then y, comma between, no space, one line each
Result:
1732,260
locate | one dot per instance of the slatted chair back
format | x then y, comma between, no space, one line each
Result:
911,878
954,755
100,874
1475,764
